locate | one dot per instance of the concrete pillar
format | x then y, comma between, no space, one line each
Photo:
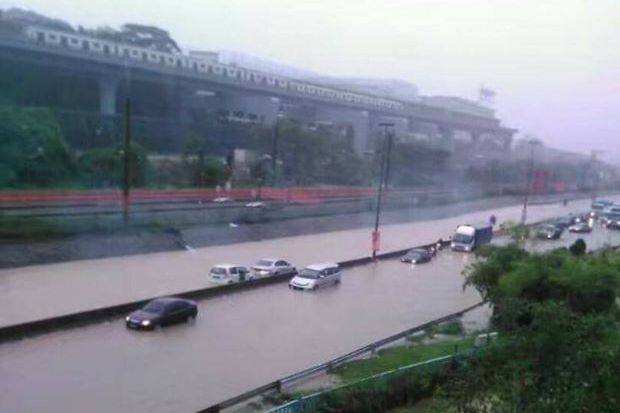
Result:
507,142
447,137
358,120
108,86
475,139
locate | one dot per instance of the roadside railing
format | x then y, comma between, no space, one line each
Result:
277,385
312,401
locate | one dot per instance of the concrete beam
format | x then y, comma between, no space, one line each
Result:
108,87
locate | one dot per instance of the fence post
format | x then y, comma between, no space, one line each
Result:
279,386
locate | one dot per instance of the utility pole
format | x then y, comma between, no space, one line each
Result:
596,170
385,160
274,151
532,142
126,161
127,148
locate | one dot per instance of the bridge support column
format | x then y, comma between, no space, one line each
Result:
358,120
475,139
108,86
447,137
507,142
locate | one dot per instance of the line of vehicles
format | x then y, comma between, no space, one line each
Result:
165,311
467,238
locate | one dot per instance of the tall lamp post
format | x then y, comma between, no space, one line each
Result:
127,148
385,167
596,172
532,142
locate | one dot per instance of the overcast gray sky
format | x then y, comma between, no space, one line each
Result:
555,64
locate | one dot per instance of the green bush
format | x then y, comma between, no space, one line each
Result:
103,167
34,152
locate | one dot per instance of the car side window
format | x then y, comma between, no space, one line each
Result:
280,263
174,307
233,271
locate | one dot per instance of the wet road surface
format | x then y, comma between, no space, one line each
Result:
57,289
239,341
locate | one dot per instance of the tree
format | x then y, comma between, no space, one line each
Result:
578,247
150,37
561,362
202,170
34,152
560,352
103,167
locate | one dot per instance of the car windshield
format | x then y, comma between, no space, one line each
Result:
155,307
218,270
264,263
309,273
462,238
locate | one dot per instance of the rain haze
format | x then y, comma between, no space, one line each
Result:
555,65
237,205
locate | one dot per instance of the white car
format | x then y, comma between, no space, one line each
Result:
229,273
255,204
272,266
316,276
222,199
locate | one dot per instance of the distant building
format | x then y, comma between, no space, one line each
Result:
247,61
392,88
459,104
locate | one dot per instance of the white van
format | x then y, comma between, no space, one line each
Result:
229,273
315,276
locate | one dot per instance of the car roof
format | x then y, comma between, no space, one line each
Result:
322,266
226,265
168,300
270,259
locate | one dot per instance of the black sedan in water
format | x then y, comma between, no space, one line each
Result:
417,256
161,312
549,232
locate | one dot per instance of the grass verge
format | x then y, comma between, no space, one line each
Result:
394,357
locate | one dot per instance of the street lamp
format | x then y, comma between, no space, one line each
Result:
127,146
532,142
385,167
596,171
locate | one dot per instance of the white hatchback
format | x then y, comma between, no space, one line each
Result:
229,273
315,276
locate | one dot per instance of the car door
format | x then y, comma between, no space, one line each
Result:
280,267
324,277
234,274
335,275
178,312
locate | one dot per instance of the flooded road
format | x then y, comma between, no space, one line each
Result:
238,341
63,288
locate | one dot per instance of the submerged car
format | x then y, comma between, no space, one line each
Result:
272,266
161,312
581,227
314,276
565,222
549,232
229,273
417,256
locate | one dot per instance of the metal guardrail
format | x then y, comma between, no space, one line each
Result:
331,364
311,401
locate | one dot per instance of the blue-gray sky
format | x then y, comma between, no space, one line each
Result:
555,64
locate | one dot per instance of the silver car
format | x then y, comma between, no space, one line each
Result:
316,276
272,266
